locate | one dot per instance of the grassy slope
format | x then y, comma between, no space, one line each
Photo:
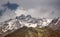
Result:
34,32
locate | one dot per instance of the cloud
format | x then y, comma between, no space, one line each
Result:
2,11
38,12
7,11
41,8
11,6
37,8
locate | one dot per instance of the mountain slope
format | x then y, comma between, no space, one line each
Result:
28,32
27,26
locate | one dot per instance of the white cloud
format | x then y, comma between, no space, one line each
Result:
36,8
38,12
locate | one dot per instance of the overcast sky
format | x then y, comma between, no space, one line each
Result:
36,8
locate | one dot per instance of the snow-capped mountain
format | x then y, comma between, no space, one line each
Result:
28,21
55,24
